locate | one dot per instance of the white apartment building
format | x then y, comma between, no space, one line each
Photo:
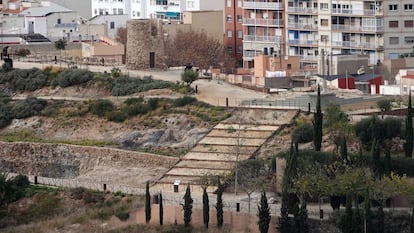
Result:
140,9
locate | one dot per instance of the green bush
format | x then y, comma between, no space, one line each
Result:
126,85
117,116
183,101
122,215
25,80
6,115
382,129
72,77
303,133
101,107
28,107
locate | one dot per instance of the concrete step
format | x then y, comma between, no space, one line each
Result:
215,156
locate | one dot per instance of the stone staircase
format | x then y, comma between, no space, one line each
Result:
218,151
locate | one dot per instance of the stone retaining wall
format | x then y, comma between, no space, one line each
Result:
70,161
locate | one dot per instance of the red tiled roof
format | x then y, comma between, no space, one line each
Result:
16,11
410,76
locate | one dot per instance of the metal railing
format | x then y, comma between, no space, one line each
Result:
262,38
263,22
263,5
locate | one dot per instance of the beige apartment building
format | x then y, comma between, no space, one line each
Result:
380,29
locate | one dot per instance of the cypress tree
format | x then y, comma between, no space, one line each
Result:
161,211
296,217
344,149
347,221
263,212
367,213
380,217
358,224
412,221
387,163
303,216
219,205
317,123
283,224
147,204
408,145
376,160
188,206
206,208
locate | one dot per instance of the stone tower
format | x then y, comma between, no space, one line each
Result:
145,45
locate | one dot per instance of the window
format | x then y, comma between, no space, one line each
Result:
393,7
239,18
239,48
408,7
120,11
324,38
229,48
162,2
408,23
112,25
228,3
59,21
289,66
239,34
229,18
324,22
324,6
114,11
393,24
394,40
229,33
239,3
409,39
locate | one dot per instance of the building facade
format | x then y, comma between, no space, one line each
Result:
380,29
233,33
263,29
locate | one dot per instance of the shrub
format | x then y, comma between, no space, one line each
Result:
71,77
117,116
22,52
28,107
382,129
303,133
101,107
6,115
126,85
183,101
25,80
122,215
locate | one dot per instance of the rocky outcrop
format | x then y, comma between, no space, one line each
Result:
69,161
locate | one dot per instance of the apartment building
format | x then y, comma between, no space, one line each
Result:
263,29
381,29
233,37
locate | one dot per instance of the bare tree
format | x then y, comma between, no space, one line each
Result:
198,49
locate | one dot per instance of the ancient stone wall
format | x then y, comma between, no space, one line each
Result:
69,161
144,37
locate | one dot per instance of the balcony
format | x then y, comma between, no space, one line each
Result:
356,45
263,5
302,10
303,43
356,28
249,55
302,27
263,22
256,38
353,12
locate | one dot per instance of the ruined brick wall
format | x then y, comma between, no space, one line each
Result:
145,36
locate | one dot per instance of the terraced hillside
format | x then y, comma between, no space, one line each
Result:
236,138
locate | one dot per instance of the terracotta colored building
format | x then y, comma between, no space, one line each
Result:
233,33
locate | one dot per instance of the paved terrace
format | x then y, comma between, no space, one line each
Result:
225,144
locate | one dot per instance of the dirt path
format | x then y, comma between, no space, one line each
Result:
213,92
